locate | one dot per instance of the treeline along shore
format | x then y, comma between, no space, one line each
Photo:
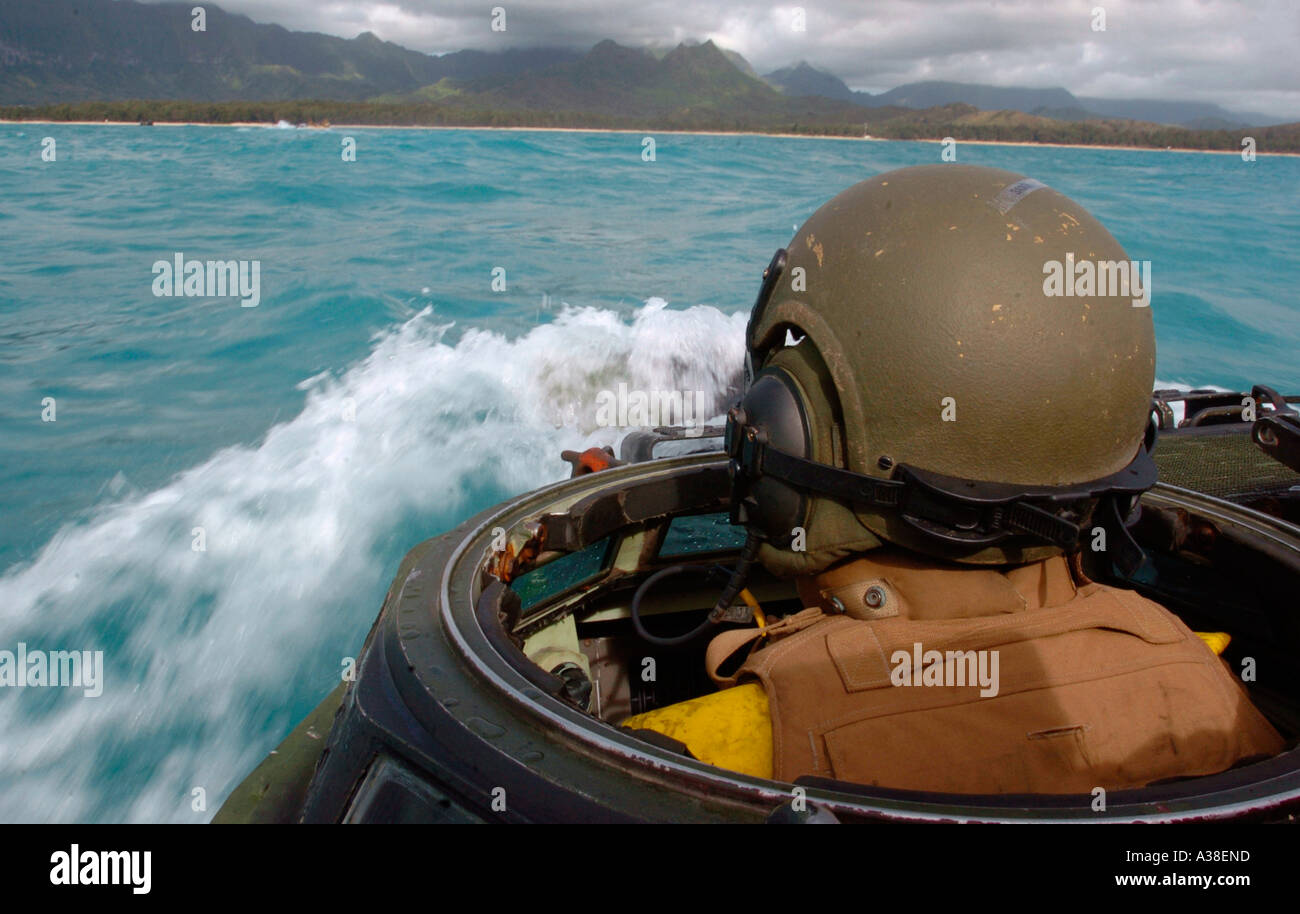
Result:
961,122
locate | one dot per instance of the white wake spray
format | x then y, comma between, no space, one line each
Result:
205,650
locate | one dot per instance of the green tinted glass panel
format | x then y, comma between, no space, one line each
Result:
701,533
558,576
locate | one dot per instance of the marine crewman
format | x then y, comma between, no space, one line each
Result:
937,445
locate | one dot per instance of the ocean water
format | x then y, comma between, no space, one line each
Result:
382,390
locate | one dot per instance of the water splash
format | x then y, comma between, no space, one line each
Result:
212,656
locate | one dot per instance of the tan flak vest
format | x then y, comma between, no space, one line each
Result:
979,680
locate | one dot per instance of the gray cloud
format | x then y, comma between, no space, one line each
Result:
1240,55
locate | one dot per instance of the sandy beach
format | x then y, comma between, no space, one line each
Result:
792,136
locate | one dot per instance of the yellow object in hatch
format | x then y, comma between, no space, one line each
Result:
1216,640
731,729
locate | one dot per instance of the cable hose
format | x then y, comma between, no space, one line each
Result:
735,584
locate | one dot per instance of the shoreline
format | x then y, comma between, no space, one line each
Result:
800,136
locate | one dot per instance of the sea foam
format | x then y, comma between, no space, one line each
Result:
212,656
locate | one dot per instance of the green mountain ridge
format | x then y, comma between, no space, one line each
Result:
613,79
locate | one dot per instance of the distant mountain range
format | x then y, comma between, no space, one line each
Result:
68,51
803,79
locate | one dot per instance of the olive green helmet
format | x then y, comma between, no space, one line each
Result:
927,366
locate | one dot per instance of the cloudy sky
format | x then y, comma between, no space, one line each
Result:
1239,53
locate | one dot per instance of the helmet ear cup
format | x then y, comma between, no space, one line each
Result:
773,409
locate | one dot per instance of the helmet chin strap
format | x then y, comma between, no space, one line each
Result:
959,512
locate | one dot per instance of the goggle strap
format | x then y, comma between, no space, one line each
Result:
983,514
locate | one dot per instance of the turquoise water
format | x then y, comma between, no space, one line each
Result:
382,390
